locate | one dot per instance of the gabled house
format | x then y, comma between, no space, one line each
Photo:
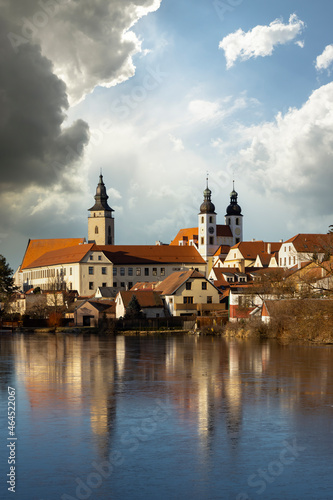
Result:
304,248
245,253
90,312
150,302
189,292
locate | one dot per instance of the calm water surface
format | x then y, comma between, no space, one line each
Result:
167,418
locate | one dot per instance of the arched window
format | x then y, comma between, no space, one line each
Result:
237,221
96,230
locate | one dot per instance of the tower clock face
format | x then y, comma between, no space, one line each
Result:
211,230
237,231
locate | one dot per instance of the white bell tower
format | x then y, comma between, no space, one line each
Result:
234,217
207,237
100,220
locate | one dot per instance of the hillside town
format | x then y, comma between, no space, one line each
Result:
206,271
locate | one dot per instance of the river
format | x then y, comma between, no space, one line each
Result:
165,417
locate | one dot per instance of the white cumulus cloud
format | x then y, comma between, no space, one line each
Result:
90,42
260,41
293,155
325,59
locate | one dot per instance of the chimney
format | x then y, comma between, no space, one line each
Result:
269,248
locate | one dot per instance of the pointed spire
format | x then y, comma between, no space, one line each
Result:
101,197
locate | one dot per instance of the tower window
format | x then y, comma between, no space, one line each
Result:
211,240
237,221
211,219
229,221
202,220
96,230
202,241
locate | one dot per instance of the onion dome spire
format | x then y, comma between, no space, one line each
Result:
233,208
207,207
101,197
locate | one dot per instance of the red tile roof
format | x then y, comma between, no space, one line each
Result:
67,255
185,235
250,249
155,254
146,298
171,284
222,230
36,248
311,242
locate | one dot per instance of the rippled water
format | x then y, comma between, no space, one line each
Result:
166,418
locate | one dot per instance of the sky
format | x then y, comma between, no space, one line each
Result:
156,94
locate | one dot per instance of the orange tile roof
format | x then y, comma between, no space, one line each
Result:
154,254
222,250
36,248
144,285
185,235
147,298
67,255
171,284
250,249
311,242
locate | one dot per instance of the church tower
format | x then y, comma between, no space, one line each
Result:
207,237
100,220
234,217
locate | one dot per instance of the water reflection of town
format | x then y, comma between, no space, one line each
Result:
208,382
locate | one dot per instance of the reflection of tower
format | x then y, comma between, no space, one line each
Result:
100,220
234,217
233,394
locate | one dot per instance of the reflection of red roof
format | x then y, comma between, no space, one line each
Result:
36,248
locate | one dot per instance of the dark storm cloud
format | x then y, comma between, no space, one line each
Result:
34,148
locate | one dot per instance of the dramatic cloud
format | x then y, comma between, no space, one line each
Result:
89,41
260,41
293,156
325,59
35,148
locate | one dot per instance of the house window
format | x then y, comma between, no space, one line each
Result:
115,284
203,285
122,271
91,257
70,285
162,271
188,285
130,284
91,285
130,271
188,300
96,230
99,257
70,271
170,300
209,299
122,284
154,271
138,271
103,285
103,270
146,271
91,270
